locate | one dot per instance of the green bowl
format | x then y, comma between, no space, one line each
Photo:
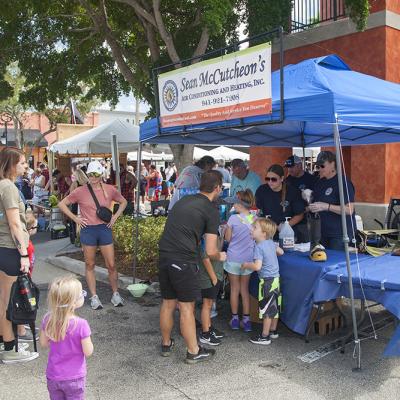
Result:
137,289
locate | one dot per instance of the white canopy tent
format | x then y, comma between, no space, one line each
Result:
99,139
228,154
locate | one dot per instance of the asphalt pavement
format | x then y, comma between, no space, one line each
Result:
126,363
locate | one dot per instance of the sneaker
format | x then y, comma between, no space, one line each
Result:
28,337
273,334
203,355
246,325
22,346
166,350
13,357
234,323
209,338
216,333
117,300
95,303
261,340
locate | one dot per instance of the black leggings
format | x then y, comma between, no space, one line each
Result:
10,261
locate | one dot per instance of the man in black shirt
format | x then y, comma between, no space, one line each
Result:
297,177
191,218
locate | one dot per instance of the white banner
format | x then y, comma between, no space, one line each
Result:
236,85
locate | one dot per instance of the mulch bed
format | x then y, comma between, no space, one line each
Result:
123,262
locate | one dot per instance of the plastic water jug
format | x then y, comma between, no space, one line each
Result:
286,237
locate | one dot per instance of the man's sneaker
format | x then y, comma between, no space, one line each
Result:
117,300
28,337
216,333
166,350
95,303
13,357
209,338
246,325
202,355
263,340
22,346
273,334
234,323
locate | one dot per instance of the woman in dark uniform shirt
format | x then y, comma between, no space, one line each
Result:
279,200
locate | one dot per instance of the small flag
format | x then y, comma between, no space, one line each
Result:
76,117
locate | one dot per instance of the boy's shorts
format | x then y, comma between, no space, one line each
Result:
269,298
211,292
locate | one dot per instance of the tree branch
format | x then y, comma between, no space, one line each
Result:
165,35
140,11
202,45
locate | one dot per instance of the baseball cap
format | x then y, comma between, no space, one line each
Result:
94,166
325,156
236,200
292,161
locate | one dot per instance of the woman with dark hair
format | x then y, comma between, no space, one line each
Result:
14,239
326,202
280,200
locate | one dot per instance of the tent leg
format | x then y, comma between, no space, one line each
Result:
357,344
136,229
115,155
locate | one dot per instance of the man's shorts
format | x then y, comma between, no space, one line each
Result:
179,280
234,268
269,297
96,235
211,292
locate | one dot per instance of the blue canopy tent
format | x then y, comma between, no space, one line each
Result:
316,90
325,104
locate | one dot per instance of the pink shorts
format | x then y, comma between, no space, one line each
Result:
73,389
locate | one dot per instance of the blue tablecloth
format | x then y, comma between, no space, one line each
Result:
304,282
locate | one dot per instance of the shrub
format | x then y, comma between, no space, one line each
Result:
150,230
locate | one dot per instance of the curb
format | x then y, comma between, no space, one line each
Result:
78,267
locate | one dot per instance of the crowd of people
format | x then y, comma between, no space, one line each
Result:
195,249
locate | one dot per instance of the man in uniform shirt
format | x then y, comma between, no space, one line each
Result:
192,217
297,176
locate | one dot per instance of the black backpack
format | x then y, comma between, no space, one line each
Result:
23,305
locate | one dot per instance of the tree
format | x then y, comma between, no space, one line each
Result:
111,46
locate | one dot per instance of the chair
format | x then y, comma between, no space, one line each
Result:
392,219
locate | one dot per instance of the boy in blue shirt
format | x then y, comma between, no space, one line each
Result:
266,264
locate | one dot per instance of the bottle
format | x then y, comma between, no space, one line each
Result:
286,236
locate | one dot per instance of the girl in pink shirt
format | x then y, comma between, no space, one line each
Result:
68,338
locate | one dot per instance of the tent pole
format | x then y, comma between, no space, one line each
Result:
115,156
136,232
357,353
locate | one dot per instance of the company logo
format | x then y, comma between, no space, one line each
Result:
328,191
170,95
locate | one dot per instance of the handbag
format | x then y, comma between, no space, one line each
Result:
104,213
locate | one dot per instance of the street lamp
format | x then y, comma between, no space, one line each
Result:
5,119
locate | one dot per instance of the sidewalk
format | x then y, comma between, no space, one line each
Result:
126,362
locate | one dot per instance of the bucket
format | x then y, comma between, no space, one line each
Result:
137,289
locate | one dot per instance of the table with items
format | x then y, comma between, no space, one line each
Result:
305,283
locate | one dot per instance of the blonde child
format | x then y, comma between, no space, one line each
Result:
240,250
266,264
68,338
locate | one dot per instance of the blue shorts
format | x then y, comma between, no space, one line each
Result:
170,184
96,235
234,268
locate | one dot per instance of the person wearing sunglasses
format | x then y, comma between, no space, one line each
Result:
327,204
280,200
95,232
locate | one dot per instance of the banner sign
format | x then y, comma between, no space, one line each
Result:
236,85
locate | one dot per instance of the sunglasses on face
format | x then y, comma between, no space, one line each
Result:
271,179
94,174
33,228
